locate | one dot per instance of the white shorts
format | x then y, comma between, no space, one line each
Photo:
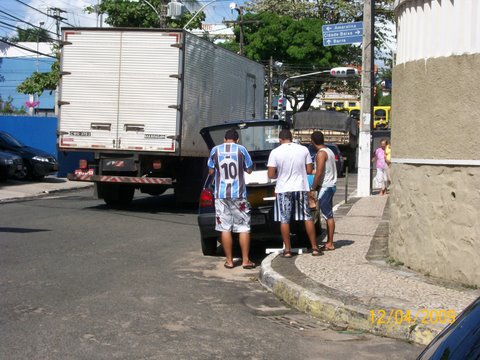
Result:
380,180
232,215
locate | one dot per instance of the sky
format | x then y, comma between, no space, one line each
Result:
215,12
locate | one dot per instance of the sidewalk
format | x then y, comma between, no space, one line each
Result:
14,190
349,285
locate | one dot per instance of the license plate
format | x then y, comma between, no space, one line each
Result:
257,220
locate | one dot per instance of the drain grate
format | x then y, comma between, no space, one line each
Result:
294,322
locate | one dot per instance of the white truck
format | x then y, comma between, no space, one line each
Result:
137,99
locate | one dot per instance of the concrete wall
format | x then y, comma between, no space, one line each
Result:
435,197
434,220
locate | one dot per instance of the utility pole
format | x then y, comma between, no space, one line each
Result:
57,17
241,22
365,139
270,79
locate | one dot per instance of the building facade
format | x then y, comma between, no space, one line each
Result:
435,201
17,64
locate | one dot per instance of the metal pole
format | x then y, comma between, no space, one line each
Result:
198,12
346,184
364,161
240,10
270,78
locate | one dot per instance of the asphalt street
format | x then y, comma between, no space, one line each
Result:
82,281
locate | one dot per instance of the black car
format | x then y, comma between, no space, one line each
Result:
259,137
459,340
10,164
36,163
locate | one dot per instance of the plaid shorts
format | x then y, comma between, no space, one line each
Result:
232,215
292,206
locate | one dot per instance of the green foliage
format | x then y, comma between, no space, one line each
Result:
6,107
297,43
31,35
331,12
38,82
121,13
385,100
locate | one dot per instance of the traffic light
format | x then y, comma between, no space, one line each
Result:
343,72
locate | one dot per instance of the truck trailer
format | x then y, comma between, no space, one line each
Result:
137,98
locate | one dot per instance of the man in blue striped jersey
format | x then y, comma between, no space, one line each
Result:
229,162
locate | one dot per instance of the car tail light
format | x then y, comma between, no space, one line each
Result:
83,164
156,164
206,198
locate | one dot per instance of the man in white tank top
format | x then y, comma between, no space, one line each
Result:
326,180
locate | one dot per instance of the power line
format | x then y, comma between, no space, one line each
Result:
26,22
26,49
56,16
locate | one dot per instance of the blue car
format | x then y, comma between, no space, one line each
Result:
459,340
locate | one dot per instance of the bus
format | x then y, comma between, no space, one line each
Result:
381,116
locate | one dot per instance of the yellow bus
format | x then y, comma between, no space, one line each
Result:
381,116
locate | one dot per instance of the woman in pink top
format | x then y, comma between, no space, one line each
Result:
380,180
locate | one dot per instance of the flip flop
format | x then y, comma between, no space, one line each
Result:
324,248
228,266
249,266
317,252
286,254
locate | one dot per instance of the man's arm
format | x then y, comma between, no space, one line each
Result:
320,160
309,168
211,171
272,172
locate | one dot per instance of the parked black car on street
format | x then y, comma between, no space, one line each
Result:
10,164
36,163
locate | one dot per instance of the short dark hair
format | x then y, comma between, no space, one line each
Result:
285,134
231,134
317,138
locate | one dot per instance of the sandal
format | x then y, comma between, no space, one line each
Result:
228,266
249,266
286,254
317,252
325,248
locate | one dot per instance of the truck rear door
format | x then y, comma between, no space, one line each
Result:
119,90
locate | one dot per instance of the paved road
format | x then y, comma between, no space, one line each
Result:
81,281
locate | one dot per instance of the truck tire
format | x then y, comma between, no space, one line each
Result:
115,194
209,246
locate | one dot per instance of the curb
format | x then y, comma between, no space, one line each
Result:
338,312
42,194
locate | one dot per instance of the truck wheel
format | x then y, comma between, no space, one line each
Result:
116,195
209,246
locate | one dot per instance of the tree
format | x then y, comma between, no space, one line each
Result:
331,12
38,82
121,13
31,35
297,43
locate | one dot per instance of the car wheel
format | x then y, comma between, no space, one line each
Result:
209,246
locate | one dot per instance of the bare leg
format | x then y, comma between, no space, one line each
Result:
244,239
330,231
227,244
310,229
285,230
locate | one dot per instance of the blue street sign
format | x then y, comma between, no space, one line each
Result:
342,34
